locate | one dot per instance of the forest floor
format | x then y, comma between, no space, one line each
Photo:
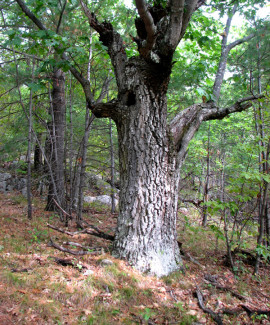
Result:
35,289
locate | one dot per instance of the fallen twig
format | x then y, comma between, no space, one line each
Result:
71,243
65,231
69,262
216,317
220,287
60,208
95,232
252,312
193,260
19,270
73,252
231,311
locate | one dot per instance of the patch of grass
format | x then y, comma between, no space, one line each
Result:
48,310
38,235
118,274
13,279
18,199
148,293
103,284
186,319
147,313
242,287
128,293
97,206
174,277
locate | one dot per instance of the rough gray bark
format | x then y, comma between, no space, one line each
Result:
146,230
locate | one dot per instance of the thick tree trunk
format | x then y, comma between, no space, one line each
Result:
146,231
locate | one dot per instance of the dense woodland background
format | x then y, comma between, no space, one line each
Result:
224,186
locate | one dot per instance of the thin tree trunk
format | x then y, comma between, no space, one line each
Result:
206,186
88,124
38,165
112,169
263,162
28,115
57,141
71,154
29,198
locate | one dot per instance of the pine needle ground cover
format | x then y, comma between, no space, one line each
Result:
98,289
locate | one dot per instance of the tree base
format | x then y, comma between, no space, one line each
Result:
159,263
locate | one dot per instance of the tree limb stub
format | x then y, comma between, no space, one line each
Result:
108,109
219,113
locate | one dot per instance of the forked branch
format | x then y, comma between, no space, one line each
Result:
187,122
149,27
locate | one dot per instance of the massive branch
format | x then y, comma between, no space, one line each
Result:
187,122
180,14
150,28
110,38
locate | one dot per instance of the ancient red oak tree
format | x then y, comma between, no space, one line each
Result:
151,152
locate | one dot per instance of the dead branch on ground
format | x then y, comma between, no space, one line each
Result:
216,317
73,252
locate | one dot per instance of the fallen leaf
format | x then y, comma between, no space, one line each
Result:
22,291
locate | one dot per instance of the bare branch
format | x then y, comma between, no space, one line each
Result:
22,53
66,250
95,232
187,122
28,13
223,57
61,17
113,41
183,122
241,41
8,91
216,113
105,88
149,26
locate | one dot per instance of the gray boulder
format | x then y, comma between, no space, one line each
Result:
5,176
103,199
